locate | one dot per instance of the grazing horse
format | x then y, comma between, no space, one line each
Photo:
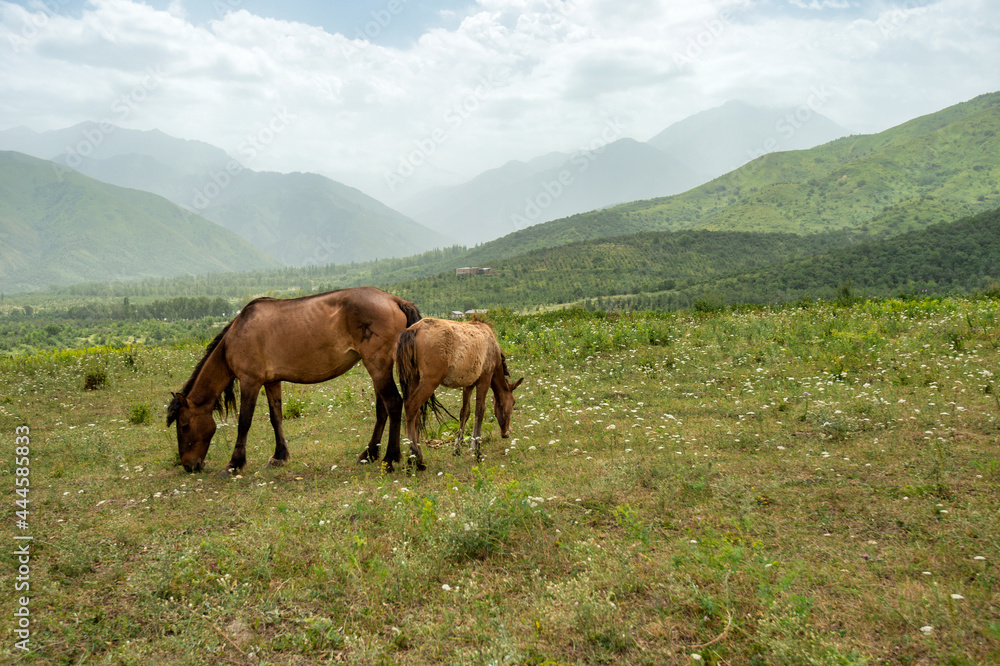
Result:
456,354
303,340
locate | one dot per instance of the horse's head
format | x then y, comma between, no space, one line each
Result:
503,406
195,428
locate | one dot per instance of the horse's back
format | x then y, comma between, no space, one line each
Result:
462,351
314,338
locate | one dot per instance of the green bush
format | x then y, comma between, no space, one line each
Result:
95,378
294,407
140,413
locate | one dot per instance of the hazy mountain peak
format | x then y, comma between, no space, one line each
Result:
718,140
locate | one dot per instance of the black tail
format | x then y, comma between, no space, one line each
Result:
411,312
406,361
437,407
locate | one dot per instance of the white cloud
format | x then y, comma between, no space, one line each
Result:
514,79
823,4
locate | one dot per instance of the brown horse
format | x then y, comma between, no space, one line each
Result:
456,354
303,340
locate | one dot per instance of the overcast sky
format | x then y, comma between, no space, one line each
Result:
393,95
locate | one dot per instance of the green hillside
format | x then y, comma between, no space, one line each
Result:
297,218
648,270
932,169
670,270
956,257
59,227
644,262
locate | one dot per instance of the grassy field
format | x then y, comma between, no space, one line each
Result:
801,485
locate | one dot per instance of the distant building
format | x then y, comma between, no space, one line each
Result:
458,314
469,271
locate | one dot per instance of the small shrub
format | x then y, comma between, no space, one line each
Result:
130,359
95,378
294,407
488,519
140,413
710,303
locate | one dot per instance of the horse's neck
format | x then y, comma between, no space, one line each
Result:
211,380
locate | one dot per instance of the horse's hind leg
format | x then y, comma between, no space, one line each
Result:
414,402
463,416
389,407
273,392
370,452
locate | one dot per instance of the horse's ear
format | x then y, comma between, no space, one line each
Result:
516,384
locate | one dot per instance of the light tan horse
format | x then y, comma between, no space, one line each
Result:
303,340
456,354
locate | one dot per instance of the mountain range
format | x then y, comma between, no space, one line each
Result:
616,170
933,169
297,218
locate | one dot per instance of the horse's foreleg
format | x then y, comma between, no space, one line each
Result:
481,390
463,416
273,392
248,402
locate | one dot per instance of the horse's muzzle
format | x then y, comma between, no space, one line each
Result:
194,468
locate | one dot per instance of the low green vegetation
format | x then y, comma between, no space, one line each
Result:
651,270
675,270
815,483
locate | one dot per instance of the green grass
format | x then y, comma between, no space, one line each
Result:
775,486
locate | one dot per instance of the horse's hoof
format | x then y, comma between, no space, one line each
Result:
274,462
421,467
228,473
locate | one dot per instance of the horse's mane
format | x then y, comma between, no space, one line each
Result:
227,399
189,384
